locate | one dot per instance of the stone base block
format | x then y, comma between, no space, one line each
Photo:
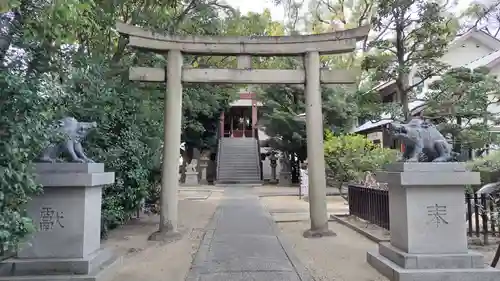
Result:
285,179
318,233
430,261
72,174
97,267
394,272
20,266
191,178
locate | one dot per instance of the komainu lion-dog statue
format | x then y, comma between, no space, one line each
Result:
73,133
423,142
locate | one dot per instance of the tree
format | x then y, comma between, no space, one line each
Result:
28,101
484,16
415,36
65,58
283,104
23,133
333,15
349,157
460,101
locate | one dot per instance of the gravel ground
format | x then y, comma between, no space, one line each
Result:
340,258
155,261
291,204
273,190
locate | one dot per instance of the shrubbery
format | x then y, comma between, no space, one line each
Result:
23,133
348,157
488,163
488,167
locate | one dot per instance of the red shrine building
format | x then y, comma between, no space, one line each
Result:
241,120
238,156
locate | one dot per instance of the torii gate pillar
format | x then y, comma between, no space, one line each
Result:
309,46
315,150
172,136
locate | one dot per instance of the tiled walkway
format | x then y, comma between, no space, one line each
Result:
243,243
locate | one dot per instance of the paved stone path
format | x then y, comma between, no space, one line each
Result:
242,243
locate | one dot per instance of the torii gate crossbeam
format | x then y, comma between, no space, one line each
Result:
308,46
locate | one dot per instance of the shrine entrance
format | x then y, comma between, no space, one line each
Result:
238,123
309,47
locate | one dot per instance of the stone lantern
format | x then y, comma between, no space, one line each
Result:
273,160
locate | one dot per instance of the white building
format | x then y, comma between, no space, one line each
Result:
473,49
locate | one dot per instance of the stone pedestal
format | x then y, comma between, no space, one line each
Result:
203,167
427,222
285,179
304,184
68,219
191,178
273,165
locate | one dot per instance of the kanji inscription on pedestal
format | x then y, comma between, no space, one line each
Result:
437,214
50,217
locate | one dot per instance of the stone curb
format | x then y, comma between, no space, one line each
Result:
303,220
270,194
202,252
359,230
300,269
277,195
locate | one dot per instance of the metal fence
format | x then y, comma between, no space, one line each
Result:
482,216
369,204
481,219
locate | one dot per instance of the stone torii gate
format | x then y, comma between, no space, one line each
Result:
310,47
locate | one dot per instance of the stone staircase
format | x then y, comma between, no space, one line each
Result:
238,161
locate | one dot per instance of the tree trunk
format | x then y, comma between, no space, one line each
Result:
402,78
457,145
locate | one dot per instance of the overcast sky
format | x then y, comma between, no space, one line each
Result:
258,6
277,12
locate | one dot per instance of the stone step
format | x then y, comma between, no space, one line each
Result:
239,160
245,153
239,146
236,181
240,154
238,173
240,165
238,151
239,178
239,140
238,169
229,185
232,175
